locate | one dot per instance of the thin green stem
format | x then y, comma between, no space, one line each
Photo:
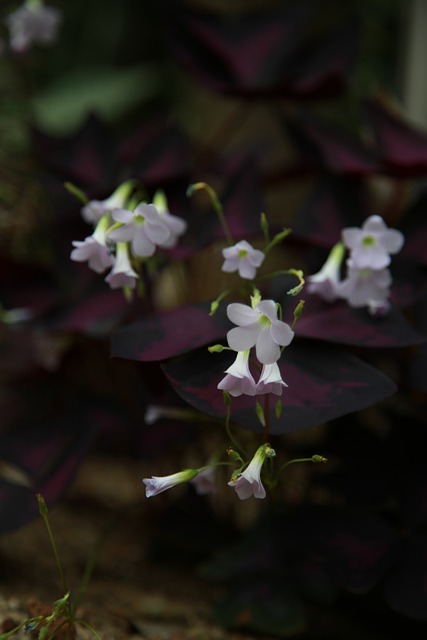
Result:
267,417
216,205
44,514
314,458
88,627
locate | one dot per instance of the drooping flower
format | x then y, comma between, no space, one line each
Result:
242,257
32,23
177,226
325,282
259,327
270,380
94,249
204,481
142,227
365,287
122,274
158,484
95,209
370,247
239,380
248,483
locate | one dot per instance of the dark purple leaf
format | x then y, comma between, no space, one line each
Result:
333,203
331,148
324,383
164,335
406,589
95,315
355,548
401,147
322,68
156,153
337,322
48,455
87,158
248,54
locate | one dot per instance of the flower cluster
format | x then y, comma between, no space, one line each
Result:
126,233
368,279
257,326
32,23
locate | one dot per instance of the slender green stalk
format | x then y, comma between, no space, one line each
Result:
44,514
216,205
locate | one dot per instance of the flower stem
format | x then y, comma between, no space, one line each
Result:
267,417
44,514
216,205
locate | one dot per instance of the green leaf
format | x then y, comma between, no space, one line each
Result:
106,91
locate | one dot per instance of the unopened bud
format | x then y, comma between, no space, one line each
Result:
317,458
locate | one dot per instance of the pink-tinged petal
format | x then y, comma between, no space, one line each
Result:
392,240
246,270
148,211
243,338
351,236
230,265
243,488
267,351
370,258
268,308
258,490
141,245
281,333
122,234
122,215
157,231
374,225
256,257
242,315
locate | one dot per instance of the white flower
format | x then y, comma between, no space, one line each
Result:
95,209
204,482
158,484
122,274
32,23
258,326
325,282
239,380
270,380
249,482
242,257
372,245
94,249
143,228
177,226
365,287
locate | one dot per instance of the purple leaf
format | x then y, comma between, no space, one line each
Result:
164,335
95,315
402,148
48,455
331,148
406,589
337,322
248,54
355,548
324,383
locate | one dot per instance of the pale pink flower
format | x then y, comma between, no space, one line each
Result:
363,287
94,210
142,227
176,226
248,483
242,257
325,283
94,249
122,274
158,484
372,245
259,327
239,380
204,482
32,23
270,380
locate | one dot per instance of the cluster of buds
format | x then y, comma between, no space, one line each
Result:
126,233
32,23
368,279
257,326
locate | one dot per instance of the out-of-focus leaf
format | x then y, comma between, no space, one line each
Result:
402,148
355,548
337,322
48,456
107,92
324,383
95,315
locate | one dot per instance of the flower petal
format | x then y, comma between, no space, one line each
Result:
267,351
242,314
